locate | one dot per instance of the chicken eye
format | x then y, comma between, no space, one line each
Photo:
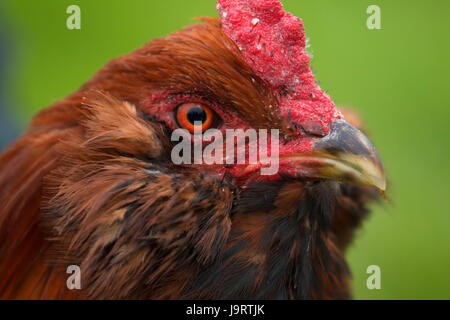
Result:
188,114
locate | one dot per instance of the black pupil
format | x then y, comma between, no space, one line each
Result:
196,114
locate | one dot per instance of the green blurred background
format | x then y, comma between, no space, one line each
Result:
396,77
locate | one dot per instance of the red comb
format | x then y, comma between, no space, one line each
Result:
272,42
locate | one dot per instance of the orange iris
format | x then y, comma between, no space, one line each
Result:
189,113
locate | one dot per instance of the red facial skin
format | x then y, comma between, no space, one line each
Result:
272,43
165,107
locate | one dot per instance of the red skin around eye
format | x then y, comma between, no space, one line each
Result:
182,117
163,107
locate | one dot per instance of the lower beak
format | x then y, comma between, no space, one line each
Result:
345,154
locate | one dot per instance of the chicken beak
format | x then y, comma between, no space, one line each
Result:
345,154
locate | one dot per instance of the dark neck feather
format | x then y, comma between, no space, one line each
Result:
280,247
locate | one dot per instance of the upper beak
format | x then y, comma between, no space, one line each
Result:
345,154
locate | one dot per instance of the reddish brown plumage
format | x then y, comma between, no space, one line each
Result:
91,183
